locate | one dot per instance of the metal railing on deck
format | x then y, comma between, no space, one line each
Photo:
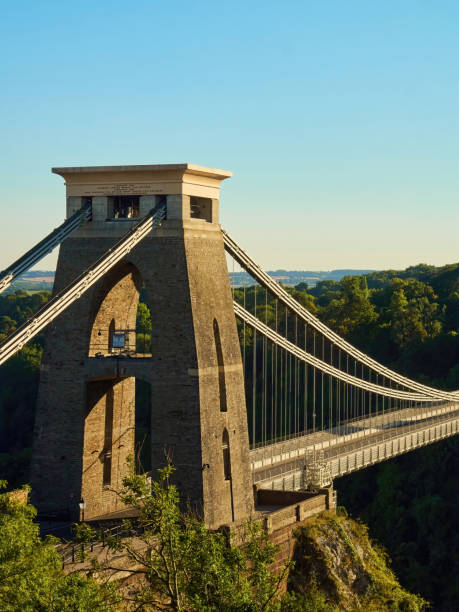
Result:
74,552
286,470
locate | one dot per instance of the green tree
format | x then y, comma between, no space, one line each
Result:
31,576
143,328
413,311
143,322
301,295
183,566
353,310
7,327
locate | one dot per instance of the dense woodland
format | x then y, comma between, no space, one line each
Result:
408,320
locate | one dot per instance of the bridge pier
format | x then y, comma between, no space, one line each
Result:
283,512
85,420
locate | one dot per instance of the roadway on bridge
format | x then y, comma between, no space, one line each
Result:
283,458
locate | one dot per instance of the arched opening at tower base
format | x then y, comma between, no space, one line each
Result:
118,407
117,427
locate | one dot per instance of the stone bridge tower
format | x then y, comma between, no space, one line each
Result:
85,423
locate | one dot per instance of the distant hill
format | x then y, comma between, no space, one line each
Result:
35,280
42,280
294,277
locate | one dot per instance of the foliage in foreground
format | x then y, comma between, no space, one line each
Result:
181,565
31,576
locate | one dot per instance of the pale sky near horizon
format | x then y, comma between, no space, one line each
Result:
338,119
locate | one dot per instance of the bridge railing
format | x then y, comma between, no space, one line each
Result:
444,414
294,462
75,552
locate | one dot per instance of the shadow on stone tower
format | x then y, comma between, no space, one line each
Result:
85,423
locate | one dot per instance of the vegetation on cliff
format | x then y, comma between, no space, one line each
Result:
335,557
179,564
410,505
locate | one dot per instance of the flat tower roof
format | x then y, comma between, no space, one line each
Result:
186,168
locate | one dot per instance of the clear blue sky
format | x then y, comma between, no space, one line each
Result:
340,120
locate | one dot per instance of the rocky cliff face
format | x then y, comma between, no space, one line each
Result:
335,558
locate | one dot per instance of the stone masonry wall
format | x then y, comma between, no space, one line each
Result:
282,524
57,461
184,270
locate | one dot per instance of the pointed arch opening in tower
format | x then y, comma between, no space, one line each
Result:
227,466
108,439
226,455
221,368
121,322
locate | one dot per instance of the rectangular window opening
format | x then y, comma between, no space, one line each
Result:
118,340
126,207
201,208
107,476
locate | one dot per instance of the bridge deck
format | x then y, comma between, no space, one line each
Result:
354,445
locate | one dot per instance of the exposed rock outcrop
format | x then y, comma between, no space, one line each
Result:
335,556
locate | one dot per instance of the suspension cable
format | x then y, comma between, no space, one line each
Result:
276,289
291,348
81,284
45,246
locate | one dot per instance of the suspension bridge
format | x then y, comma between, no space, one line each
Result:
248,388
